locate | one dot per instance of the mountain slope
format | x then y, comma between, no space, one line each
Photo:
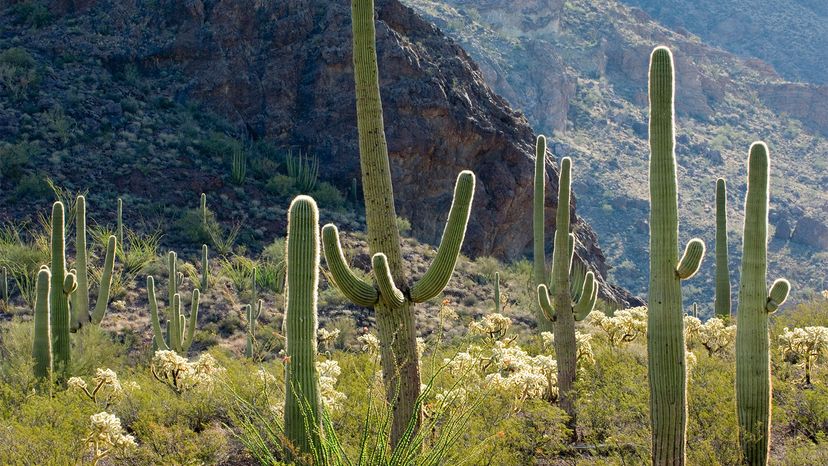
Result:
600,52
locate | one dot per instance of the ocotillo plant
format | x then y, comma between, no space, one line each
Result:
42,345
753,384
561,311
62,285
392,299
723,297
665,321
179,332
302,410
80,299
539,273
253,313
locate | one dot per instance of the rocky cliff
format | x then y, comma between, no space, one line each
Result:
281,71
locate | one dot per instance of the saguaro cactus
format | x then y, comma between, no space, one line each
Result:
120,226
42,345
723,296
753,384
80,299
205,268
497,292
561,310
539,271
392,299
62,285
179,332
665,321
302,412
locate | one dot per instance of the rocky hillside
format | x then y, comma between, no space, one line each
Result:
578,70
151,100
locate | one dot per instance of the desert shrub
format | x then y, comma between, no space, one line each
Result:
18,72
282,186
31,13
328,197
14,158
191,228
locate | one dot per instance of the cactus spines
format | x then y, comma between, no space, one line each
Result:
253,314
753,383
723,294
665,321
560,308
394,309
62,284
302,402
42,346
180,331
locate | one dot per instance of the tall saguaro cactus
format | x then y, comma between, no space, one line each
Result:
42,345
80,299
302,413
539,272
723,296
62,285
392,298
665,321
753,384
561,310
179,332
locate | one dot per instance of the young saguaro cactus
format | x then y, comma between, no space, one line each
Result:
665,321
80,299
723,297
753,383
62,285
120,226
391,297
561,310
42,345
302,402
205,267
179,332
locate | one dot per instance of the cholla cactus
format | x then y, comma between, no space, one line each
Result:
623,327
714,335
493,327
804,346
370,343
327,338
106,383
180,374
329,372
106,436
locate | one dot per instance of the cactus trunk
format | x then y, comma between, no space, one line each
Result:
753,383
61,286
42,346
302,412
667,368
723,295
80,299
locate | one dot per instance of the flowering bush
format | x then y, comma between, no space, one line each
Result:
107,436
182,375
623,327
804,346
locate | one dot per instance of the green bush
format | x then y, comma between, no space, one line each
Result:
282,186
328,197
14,158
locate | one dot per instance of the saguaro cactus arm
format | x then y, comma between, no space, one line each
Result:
545,302
385,282
157,333
80,300
723,300
438,275
191,326
778,294
538,217
691,259
106,282
589,295
42,345
354,288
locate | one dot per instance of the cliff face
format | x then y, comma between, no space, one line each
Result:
282,71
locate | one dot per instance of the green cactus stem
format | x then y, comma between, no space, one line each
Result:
393,299
80,299
120,226
723,292
539,271
205,268
62,285
753,383
497,293
42,345
204,209
665,344
560,309
302,402
253,314
4,286
180,329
